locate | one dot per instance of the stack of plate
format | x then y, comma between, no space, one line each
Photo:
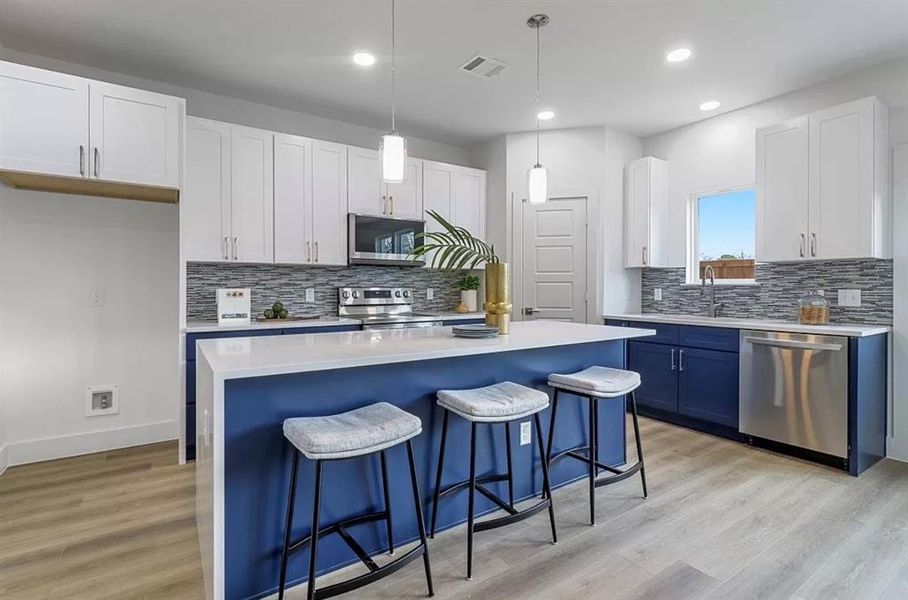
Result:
478,331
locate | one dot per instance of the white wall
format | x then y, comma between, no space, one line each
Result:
223,108
719,153
492,156
4,455
54,250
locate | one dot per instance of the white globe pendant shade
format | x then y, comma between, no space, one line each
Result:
537,184
393,152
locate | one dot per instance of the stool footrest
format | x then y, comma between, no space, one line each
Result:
373,575
517,515
337,527
620,476
498,501
462,485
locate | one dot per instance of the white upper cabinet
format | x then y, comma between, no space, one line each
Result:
822,189
43,121
364,188
781,191
252,194
135,135
205,224
405,200
292,199
329,203
59,125
646,213
468,202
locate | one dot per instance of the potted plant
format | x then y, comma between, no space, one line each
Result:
456,249
468,289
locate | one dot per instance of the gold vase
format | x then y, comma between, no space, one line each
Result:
498,296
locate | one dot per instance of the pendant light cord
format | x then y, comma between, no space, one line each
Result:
537,96
393,67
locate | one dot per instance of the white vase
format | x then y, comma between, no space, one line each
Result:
468,299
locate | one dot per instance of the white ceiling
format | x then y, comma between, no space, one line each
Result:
603,61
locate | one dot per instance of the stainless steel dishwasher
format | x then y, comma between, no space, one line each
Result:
794,389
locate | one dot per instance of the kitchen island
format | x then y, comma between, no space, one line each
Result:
246,387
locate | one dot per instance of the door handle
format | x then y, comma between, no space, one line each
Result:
673,359
813,244
226,248
803,240
97,161
793,344
316,251
391,202
680,360
236,248
384,205
308,251
528,311
81,160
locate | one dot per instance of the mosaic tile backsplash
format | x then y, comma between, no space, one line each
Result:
288,283
780,286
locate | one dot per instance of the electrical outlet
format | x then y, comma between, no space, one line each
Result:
657,294
310,294
430,293
526,430
849,297
97,297
821,292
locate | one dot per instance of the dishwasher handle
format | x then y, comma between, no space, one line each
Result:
793,344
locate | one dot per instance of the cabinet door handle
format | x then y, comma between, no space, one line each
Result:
226,248
236,248
813,244
384,205
81,160
803,238
97,161
680,360
644,255
308,251
316,251
391,202
673,359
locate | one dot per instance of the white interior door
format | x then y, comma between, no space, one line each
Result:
554,260
292,199
135,135
252,194
43,121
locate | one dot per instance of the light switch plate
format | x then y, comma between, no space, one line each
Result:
850,298
310,294
430,293
657,294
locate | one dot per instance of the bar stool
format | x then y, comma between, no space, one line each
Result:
367,430
597,383
499,403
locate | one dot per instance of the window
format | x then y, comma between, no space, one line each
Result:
722,232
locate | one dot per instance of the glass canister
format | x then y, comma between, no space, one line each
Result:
813,309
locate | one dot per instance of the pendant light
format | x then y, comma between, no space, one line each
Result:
537,176
393,146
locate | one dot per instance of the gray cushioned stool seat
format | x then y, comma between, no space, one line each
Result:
353,433
603,382
503,401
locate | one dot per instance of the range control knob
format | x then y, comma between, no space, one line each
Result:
346,295
356,294
406,294
397,294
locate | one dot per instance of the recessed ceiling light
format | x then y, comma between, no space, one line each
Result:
545,115
364,59
710,105
678,55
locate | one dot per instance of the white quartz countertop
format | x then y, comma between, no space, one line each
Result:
212,326
755,324
231,358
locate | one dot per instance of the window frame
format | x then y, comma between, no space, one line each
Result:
692,260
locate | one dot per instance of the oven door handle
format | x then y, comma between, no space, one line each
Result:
793,344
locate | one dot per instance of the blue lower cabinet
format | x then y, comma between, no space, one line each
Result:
463,321
190,432
659,382
708,385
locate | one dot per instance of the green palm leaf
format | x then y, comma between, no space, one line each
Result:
454,248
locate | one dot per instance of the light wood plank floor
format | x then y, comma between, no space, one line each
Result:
722,521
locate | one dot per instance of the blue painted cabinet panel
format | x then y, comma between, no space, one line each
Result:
709,338
708,385
659,381
665,333
463,322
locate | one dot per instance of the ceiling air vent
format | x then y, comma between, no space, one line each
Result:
483,66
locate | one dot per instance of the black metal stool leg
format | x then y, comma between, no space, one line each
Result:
546,482
548,449
384,484
441,466
592,460
417,500
507,442
291,498
639,444
470,503
313,544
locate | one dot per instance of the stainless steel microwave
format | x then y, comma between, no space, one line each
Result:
383,240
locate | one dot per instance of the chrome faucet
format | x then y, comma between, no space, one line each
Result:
711,274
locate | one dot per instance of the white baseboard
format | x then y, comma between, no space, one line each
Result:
4,458
29,451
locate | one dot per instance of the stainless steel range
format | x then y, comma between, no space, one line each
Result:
383,308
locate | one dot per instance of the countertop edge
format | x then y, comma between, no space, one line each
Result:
847,330
212,327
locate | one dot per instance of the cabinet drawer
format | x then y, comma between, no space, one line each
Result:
709,338
665,333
